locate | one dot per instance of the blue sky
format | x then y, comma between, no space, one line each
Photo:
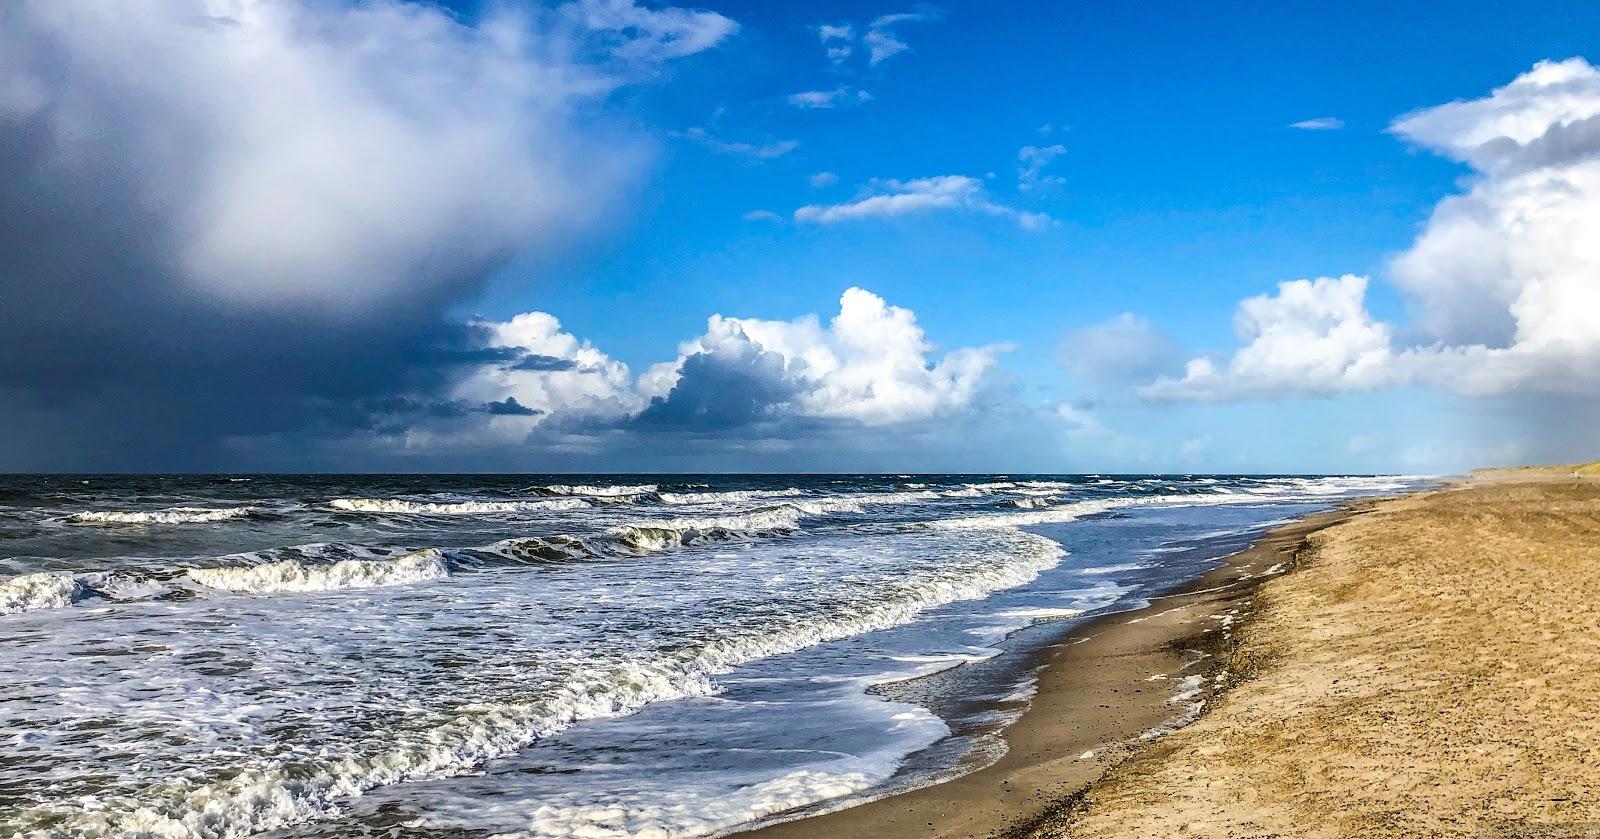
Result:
1185,188
1167,185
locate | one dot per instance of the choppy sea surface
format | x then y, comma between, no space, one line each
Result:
540,656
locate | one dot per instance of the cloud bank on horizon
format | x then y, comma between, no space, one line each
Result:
243,233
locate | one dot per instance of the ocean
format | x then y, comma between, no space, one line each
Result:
549,656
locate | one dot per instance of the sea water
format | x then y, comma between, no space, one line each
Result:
542,656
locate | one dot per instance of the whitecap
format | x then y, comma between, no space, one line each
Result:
292,576
42,590
170,515
727,497
587,489
461,508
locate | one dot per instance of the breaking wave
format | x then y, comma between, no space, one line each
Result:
992,486
43,590
59,589
655,536
1064,513
587,489
726,497
1053,515
292,576
462,508
171,515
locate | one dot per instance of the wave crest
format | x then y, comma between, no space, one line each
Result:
589,489
291,576
171,515
462,508
43,590
727,497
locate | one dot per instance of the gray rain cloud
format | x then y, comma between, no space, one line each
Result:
219,226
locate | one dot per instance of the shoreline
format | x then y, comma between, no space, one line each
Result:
1103,688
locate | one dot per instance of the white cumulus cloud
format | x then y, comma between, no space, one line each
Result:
1312,336
1505,276
566,375
870,364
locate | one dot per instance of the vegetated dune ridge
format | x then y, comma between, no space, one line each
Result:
1433,669
1570,470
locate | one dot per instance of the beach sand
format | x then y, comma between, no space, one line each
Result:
1431,667
1433,671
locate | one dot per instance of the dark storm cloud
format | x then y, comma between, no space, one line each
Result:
509,407
722,390
544,363
214,232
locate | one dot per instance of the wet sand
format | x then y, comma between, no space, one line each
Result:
1104,687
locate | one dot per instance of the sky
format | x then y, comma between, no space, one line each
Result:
609,235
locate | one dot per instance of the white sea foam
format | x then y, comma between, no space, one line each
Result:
43,590
261,799
676,813
171,515
460,508
1073,511
896,497
655,535
1054,515
1041,613
648,536
992,486
58,589
293,576
726,497
587,489
1032,503
1113,569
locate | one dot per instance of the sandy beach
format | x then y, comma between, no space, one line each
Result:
1420,666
